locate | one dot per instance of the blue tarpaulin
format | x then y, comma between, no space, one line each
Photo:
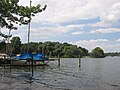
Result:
38,56
26,56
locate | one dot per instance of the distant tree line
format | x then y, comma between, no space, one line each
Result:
112,54
51,49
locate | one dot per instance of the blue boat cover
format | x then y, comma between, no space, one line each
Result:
38,56
27,55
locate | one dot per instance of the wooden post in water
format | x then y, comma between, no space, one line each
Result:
79,60
58,60
32,67
31,77
4,61
10,62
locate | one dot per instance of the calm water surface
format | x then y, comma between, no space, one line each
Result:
94,74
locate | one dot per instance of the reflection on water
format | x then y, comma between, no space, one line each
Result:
94,74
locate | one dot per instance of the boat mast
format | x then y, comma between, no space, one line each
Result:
29,25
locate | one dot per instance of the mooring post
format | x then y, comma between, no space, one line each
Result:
31,77
4,64
4,61
58,60
10,62
29,64
32,67
79,60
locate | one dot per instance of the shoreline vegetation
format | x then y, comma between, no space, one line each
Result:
52,49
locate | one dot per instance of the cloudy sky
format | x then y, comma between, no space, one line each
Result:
86,23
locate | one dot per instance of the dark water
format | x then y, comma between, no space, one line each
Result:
94,74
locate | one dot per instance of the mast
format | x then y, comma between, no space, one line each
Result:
29,25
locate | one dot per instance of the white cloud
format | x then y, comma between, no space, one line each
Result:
118,40
67,11
101,24
105,44
107,30
78,33
56,30
60,11
112,47
91,44
112,14
45,32
4,30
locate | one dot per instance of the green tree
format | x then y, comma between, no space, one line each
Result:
23,48
98,53
85,52
2,47
11,13
40,45
71,51
33,47
15,45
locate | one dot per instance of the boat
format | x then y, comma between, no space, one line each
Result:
28,58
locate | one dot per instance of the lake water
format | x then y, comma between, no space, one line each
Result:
94,74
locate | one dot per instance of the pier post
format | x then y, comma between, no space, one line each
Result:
10,62
4,61
31,77
32,67
58,60
79,60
